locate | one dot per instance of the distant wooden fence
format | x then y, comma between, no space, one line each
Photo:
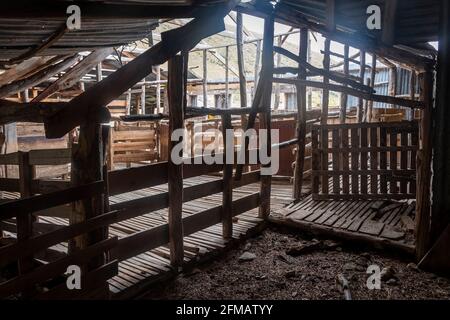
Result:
368,160
133,145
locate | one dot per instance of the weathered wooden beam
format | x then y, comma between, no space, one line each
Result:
301,117
344,96
173,41
389,21
38,77
265,115
325,73
364,95
362,73
72,76
175,171
205,78
393,82
324,118
264,87
424,158
11,111
22,69
440,208
227,194
241,62
373,73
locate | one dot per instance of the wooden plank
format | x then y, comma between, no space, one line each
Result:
50,156
404,161
345,161
9,184
316,158
336,158
301,117
45,201
373,160
176,97
393,162
227,195
355,161
364,161
383,160
413,159
9,158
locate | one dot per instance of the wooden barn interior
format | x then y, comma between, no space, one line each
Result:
86,116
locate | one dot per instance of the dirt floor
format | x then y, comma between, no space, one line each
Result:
281,265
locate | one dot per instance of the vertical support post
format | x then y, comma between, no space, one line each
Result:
301,117
344,96
227,195
143,98
373,73
256,72
440,209
362,72
25,220
424,156
241,65
393,82
265,115
158,89
412,95
324,118
227,73
175,172
205,78
277,85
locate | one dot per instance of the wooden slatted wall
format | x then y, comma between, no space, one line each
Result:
365,160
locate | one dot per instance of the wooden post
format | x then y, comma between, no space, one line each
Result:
241,66
324,117
412,95
265,116
158,89
362,72
175,172
205,78
227,80
277,85
301,118
393,82
87,167
256,72
344,96
424,156
440,209
227,195
25,221
373,73
143,99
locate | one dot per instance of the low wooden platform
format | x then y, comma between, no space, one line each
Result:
384,224
138,273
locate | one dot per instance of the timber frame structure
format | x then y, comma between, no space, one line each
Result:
113,222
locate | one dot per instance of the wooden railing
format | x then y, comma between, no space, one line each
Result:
368,160
30,274
119,181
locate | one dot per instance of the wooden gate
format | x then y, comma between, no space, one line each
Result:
365,160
